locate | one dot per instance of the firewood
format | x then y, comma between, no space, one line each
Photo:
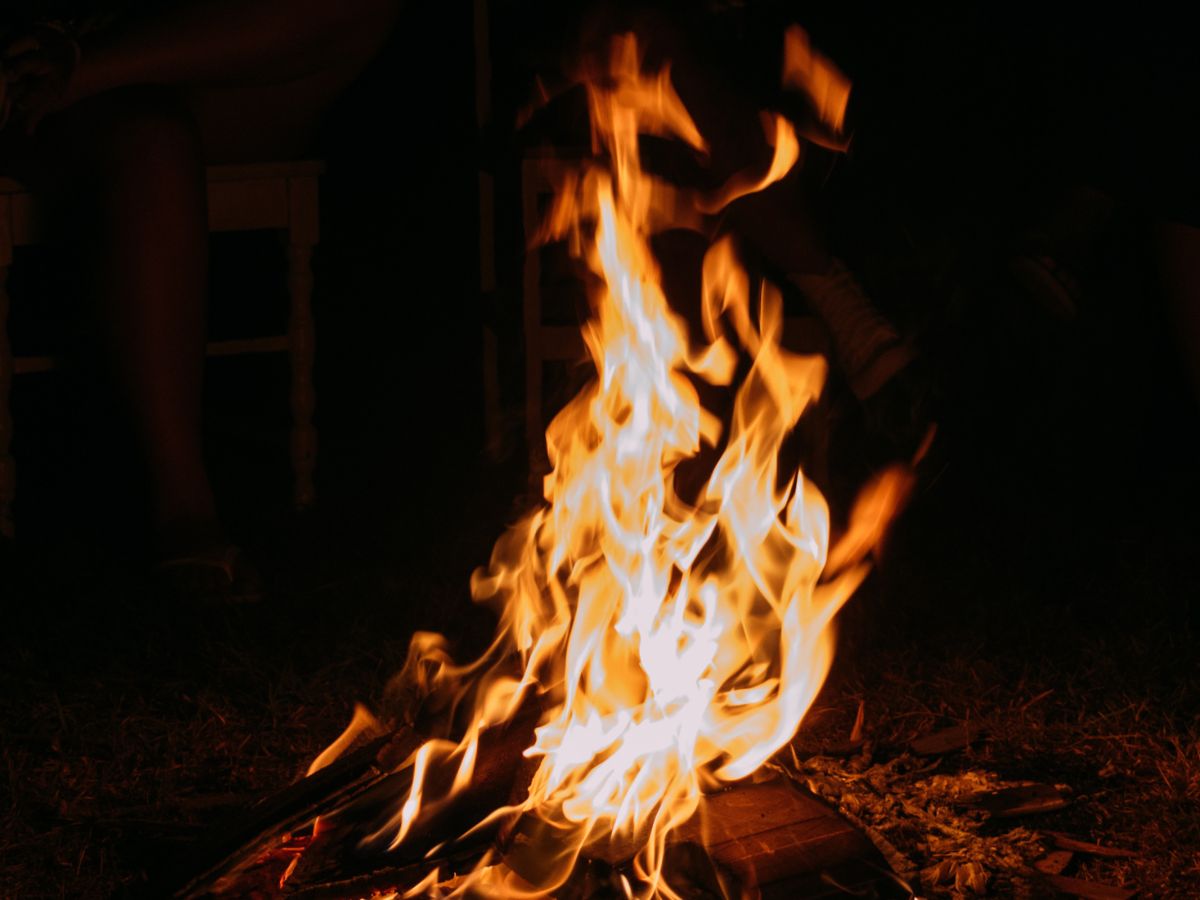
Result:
770,832
249,835
384,877
1066,842
763,833
339,855
1019,801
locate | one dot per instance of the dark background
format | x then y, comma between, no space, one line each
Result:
967,124
1057,512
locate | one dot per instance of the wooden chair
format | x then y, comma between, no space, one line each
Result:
544,343
274,196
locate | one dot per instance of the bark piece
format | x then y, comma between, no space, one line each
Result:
1022,800
1066,842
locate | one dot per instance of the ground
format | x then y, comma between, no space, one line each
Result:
130,728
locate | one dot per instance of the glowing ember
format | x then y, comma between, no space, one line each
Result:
674,644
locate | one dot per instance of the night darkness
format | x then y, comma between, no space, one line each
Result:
1042,580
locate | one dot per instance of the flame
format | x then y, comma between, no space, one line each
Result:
675,642
806,70
362,722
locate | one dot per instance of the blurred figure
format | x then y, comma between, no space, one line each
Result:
115,112
727,67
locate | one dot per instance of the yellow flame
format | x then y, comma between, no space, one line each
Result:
676,642
806,70
361,722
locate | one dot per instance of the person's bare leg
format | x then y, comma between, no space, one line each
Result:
250,82
138,153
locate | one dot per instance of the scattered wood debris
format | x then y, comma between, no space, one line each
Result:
929,826
921,823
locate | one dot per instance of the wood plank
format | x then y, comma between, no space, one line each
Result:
1066,842
772,831
750,809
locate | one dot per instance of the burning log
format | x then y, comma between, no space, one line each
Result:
248,837
765,837
768,839
349,794
338,855
676,639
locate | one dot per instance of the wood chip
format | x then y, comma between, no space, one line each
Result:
1054,863
1066,842
1022,800
1089,890
956,737
856,733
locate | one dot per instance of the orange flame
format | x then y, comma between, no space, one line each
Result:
808,71
676,643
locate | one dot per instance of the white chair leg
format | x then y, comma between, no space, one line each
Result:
301,341
8,469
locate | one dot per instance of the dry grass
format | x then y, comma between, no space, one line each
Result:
1112,720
